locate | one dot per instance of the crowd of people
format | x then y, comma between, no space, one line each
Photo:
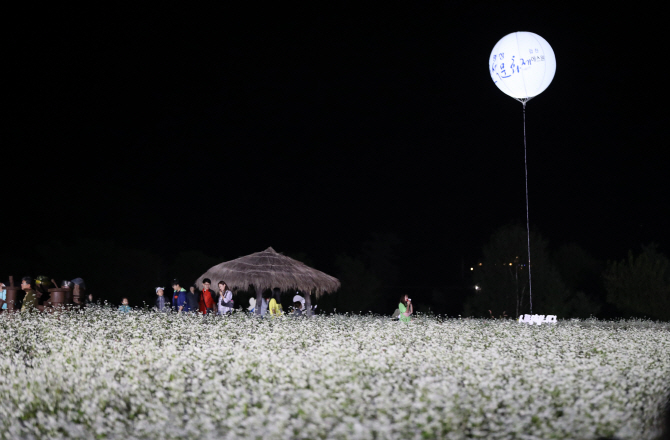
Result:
219,302
205,301
194,300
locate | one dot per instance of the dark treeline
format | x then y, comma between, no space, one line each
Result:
566,281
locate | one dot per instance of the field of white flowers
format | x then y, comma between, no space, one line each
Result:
103,374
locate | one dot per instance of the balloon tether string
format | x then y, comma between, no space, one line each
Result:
525,161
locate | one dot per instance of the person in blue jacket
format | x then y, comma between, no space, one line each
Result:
124,307
179,301
3,296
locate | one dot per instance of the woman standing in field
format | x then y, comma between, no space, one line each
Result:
224,299
274,307
405,308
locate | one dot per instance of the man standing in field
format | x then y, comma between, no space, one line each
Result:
207,299
179,297
30,298
193,299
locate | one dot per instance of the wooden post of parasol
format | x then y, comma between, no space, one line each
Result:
259,299
308,303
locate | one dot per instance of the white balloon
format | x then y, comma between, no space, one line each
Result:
522,65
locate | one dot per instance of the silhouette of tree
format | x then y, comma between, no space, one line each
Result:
582,274
360,291
501,281
367,278
640,285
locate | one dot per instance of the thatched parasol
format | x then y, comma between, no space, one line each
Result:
268,270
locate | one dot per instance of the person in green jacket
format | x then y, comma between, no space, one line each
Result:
30,297
405,308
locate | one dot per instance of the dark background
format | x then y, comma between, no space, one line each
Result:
311,129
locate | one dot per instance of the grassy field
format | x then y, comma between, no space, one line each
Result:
103,374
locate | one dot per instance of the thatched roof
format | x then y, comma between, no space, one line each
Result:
267,270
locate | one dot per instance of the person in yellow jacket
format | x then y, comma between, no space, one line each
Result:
274,307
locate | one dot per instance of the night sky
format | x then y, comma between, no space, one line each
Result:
310,129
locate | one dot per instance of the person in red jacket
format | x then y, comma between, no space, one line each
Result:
207,298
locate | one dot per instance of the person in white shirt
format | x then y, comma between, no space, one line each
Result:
224,299
301,300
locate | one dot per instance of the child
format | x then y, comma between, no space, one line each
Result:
297,310
160,299
124,307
